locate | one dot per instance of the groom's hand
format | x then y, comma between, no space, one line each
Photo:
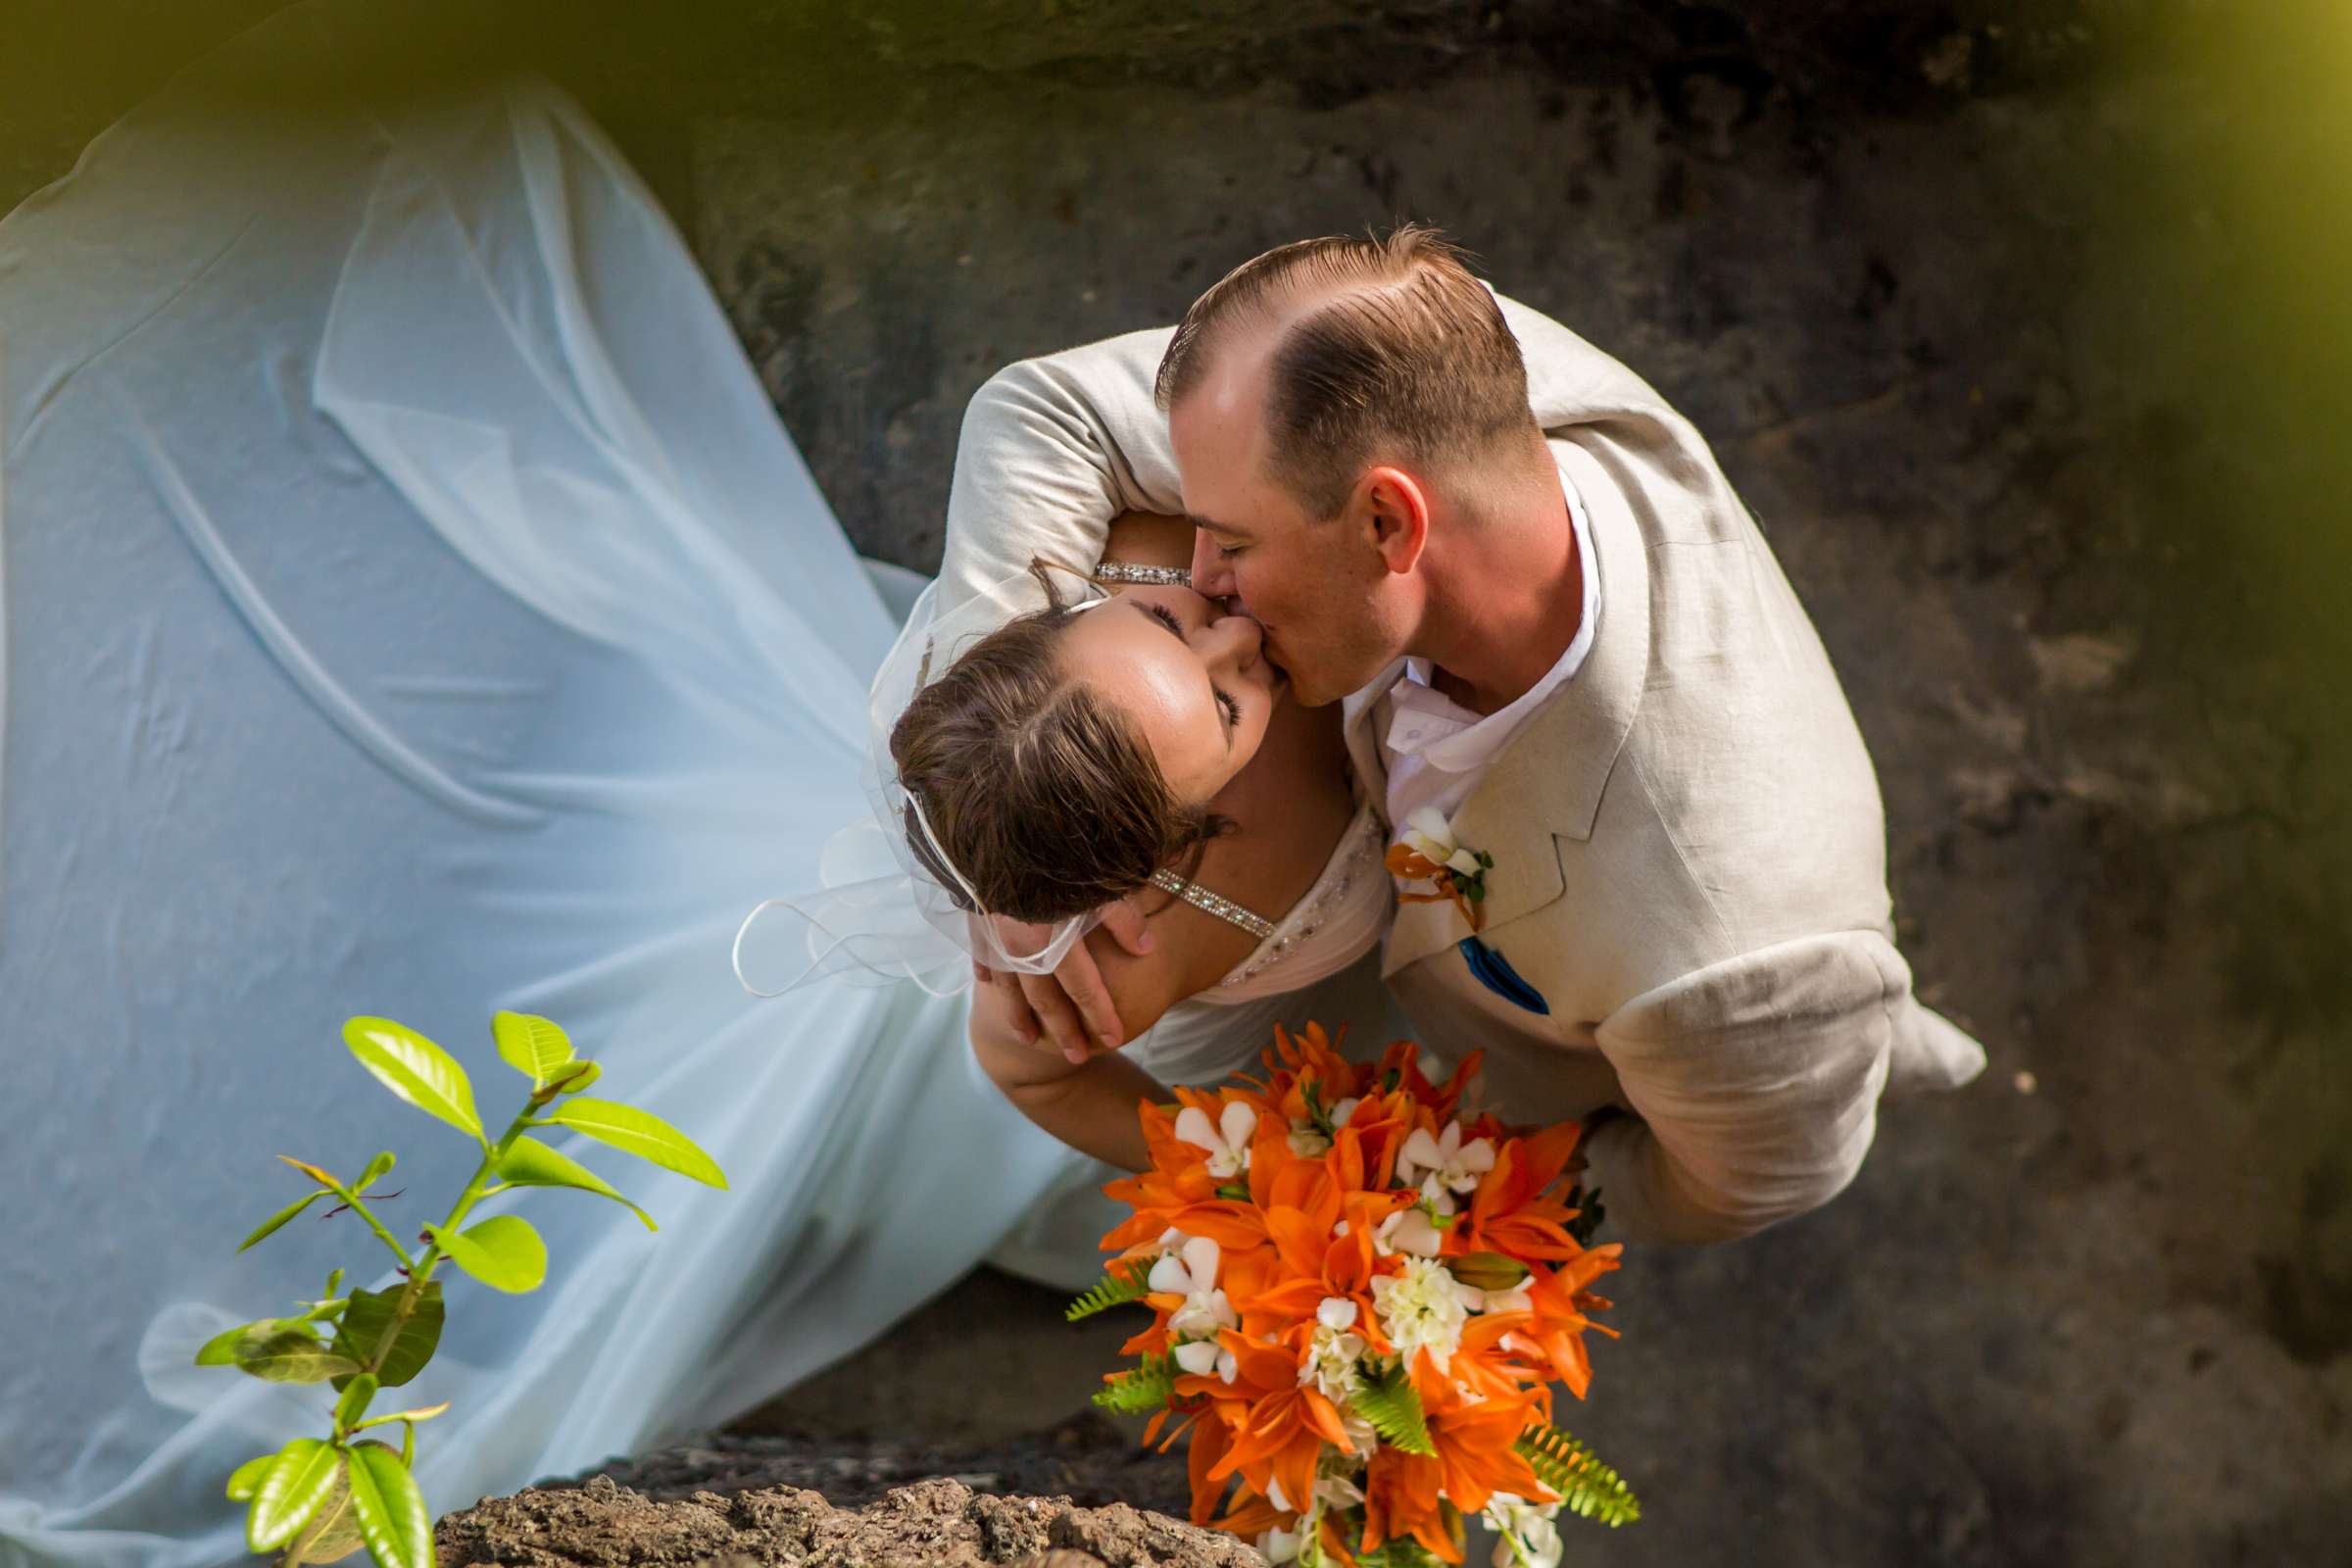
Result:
1072,1007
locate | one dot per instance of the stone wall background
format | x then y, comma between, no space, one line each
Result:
2017,324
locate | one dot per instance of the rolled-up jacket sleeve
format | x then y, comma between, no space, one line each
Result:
1052,450
1755,1083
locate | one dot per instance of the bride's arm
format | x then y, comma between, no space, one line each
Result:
1089,1106
1055,447
1052,450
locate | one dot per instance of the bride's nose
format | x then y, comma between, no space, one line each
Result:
1231,642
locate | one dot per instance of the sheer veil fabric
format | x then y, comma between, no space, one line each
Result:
413,607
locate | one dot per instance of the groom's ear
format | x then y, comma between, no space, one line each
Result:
1393,510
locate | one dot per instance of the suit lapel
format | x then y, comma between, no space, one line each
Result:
1548,783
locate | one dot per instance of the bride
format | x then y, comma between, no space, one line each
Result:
412,606
1066,761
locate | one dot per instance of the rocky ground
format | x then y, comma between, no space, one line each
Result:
2021,328
938,1523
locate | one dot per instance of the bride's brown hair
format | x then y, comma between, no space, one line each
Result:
1045,796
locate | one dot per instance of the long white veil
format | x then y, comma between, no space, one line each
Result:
415,608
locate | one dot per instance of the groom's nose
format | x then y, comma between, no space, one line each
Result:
1212,574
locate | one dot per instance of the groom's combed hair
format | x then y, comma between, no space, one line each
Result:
1407,358
1046,798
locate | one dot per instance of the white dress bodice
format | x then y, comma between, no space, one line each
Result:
1208,1037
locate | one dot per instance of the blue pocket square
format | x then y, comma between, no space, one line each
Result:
1496,973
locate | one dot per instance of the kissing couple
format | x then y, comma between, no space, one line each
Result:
1369,608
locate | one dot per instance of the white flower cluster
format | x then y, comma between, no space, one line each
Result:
1333,1492
1227,1138
1190,1269
1422,1308
1529,1538
1451,1167
1446,1170
1335,1353
1429,835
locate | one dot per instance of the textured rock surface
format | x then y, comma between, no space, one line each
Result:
1086,1459
931,1524
2020,326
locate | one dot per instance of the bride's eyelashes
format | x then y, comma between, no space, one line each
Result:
1226,701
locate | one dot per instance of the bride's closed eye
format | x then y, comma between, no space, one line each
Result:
1227,703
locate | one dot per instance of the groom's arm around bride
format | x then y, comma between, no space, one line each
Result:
1567,652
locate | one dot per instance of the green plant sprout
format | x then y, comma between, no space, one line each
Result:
319,1500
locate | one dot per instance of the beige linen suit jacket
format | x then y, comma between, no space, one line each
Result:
1689,845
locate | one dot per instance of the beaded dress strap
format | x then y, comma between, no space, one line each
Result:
1207,903
1149,576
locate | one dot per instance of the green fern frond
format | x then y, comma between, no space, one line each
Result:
1116,1288
1141,1389
1588,1488
1390,1401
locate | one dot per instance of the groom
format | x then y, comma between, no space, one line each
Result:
1571,667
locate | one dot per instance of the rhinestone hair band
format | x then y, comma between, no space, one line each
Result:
1148,576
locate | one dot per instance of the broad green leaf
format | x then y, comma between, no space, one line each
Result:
391,1510
528,1162
532,1045
576,1077
277,1221
369,1315
377,1169
291,1490
503,1253
354,1403
333,1532
640,1133
416,1069
290,1356
246,1478
221,1348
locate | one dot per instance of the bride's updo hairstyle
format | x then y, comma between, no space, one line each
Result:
1046,797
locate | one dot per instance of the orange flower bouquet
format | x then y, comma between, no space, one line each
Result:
1361,1296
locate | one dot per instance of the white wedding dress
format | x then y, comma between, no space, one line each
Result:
411,606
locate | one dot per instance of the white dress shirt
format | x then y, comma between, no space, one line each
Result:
1437,750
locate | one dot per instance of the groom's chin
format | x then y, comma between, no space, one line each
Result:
1307,694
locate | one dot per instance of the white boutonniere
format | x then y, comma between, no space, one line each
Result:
1427,850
